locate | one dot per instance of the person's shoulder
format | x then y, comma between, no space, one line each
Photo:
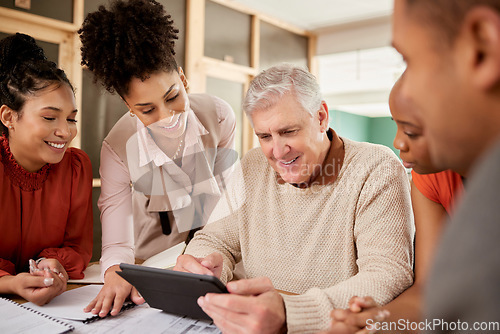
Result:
374,153
123,128
206,103
201,102
444,177
77,156
79,160
254,159
366,160
254,154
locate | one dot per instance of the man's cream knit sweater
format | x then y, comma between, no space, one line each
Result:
325,243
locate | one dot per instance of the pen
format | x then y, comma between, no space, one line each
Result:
34,268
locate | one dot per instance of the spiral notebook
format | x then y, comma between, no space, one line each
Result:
16,318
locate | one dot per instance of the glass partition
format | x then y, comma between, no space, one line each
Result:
232,93
227,34
54,9
279,45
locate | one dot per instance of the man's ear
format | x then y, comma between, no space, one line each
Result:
323,117
7,115
482,30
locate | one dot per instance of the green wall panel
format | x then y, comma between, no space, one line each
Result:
377,130
351,126
383,131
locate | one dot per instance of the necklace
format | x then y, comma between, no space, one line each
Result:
178,149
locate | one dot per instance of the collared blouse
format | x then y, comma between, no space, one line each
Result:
167,186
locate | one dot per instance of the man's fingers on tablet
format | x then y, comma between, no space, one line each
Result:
234,303
213,260
206,268
188,263
182,262
252,286
227,320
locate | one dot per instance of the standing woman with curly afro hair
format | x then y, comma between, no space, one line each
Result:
164,163
45,186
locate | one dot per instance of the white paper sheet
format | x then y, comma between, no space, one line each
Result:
92,275
144,319
167,258
70,304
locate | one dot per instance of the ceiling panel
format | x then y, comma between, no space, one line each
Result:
316,14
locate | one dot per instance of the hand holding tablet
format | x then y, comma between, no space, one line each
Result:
172,291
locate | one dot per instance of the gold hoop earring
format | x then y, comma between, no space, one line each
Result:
131,114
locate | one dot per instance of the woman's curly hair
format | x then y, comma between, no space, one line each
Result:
132,39
24,70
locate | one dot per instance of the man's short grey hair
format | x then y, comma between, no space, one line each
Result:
267,88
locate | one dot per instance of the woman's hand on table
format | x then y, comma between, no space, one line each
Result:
113,294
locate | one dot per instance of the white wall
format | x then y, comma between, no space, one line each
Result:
368,34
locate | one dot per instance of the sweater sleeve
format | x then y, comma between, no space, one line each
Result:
383,236
76,250
218,237
115,204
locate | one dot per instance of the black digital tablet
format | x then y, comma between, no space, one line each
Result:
172,291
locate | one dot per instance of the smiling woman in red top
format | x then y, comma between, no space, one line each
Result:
45,187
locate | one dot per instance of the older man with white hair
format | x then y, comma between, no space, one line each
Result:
323,217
